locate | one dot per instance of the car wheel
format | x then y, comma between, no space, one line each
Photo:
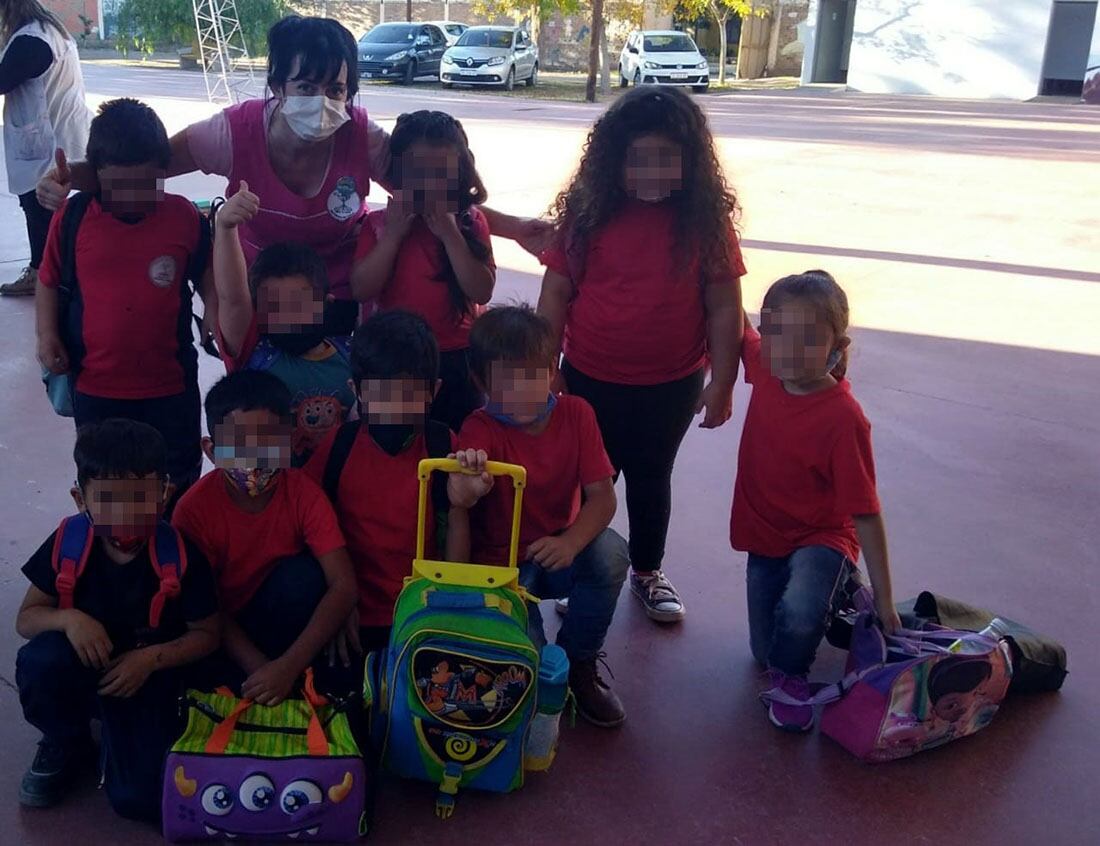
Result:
638,77
534,77
623,81
700,89
410,74
510,82
448,85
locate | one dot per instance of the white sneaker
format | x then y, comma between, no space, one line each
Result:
658,595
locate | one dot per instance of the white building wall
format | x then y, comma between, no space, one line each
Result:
949,48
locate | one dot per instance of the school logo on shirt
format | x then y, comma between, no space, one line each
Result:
344,200
162,271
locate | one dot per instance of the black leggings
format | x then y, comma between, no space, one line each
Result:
642,427
38,225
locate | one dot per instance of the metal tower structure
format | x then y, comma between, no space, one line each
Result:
223,56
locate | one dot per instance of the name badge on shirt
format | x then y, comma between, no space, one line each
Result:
344,201
162,271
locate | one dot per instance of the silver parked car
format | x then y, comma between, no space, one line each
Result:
491,55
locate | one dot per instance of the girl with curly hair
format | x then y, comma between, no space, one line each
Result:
429,251
642,288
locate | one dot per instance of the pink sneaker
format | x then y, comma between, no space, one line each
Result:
786,698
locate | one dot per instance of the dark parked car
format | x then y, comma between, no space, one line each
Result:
401,51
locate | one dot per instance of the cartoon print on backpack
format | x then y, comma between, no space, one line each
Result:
258,806
466,691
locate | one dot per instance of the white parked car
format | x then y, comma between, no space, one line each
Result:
452,29
666,57
491,55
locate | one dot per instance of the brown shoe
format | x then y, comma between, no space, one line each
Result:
596,701
23,286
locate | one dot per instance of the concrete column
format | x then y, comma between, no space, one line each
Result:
1091,92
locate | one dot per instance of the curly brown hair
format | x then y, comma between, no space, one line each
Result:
705,205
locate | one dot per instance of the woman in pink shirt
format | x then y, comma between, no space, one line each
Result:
306,151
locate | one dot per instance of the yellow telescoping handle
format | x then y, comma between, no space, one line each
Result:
450,465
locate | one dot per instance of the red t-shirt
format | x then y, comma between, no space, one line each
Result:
415,285
804,468
244,547
567,455
376,504
637,316
130,276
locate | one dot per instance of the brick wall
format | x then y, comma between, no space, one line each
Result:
70,11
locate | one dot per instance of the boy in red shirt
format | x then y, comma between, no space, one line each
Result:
125,337
369,466
568,548
284,578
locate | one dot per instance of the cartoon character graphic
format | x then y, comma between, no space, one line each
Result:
274,803
437,687
469,692
315,418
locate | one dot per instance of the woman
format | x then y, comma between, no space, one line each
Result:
307,152
44,110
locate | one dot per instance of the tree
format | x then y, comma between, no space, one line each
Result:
142,24
594,50
536,11
721,11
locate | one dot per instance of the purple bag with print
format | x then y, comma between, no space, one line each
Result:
914,691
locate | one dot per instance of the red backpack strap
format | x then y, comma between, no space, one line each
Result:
72,545
169,559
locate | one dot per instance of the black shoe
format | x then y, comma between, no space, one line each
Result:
595,699
52,773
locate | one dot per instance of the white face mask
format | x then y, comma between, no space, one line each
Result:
314,118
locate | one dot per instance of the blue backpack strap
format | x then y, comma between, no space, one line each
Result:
338,457
169,559
263,356
342,343
71,547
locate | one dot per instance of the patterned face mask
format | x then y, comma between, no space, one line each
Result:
253,480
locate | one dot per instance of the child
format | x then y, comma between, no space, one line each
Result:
369,467
642,289
271,317
283,575
126,336
429,251
567,547
804,502
105,640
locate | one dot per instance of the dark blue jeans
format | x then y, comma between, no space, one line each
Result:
592,584
59,698
790,603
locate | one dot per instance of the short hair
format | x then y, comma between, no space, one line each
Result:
324,45
119,449
394,343
286,259
246,390
509,333
127,132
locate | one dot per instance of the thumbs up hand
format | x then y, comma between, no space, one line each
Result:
239,208
54,187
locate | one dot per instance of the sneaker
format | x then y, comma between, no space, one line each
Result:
51,774
661,600
23,286
787,700
596,701
562,606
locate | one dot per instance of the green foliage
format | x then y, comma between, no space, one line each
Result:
522,8
144,24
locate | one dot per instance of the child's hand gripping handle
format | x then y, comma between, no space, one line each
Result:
450,465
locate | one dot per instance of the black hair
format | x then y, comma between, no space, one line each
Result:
957,675
705,205
119,449
324,45
127,132
509,333
284,259
394,343
440,129
246,390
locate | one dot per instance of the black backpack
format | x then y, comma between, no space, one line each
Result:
70,304
438,441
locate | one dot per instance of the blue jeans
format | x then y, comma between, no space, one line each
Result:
592,584
790,602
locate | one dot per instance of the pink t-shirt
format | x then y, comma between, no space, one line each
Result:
233,144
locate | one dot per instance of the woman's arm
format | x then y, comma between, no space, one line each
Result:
532,233
26,57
